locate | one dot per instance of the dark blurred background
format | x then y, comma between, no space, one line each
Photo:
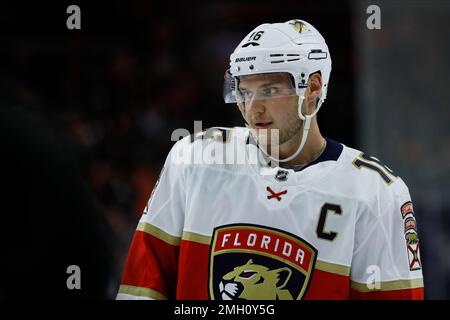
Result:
114,91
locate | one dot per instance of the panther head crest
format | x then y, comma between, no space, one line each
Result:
255,282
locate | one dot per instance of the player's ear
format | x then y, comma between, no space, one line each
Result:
315,84
314,90
283,275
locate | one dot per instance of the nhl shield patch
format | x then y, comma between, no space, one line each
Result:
252,262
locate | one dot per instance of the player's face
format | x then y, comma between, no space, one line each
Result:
270,107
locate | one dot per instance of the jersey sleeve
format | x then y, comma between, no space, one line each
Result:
386,258
151,267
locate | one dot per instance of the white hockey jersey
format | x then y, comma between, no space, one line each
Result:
222,225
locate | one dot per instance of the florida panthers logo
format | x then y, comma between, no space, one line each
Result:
249,262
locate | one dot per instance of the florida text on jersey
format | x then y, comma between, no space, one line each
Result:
342,227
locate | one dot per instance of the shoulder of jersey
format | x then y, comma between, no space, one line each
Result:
206,147
365,177
216,135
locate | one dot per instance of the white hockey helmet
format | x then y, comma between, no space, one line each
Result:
294,47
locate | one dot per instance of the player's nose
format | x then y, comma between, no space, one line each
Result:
255,106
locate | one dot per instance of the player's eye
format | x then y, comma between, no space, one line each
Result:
270,91
246,95
247,274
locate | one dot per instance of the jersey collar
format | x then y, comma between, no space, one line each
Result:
332,152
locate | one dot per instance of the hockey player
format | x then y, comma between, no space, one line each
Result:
310,219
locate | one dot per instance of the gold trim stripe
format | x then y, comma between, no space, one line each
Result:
142,292
202,239
160,234
332,268
389,285
195,237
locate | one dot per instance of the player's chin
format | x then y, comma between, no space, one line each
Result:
267,137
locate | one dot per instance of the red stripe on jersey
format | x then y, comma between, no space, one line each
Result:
193,271
407,294
151,263
328,286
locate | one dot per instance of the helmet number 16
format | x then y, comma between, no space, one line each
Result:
255,36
